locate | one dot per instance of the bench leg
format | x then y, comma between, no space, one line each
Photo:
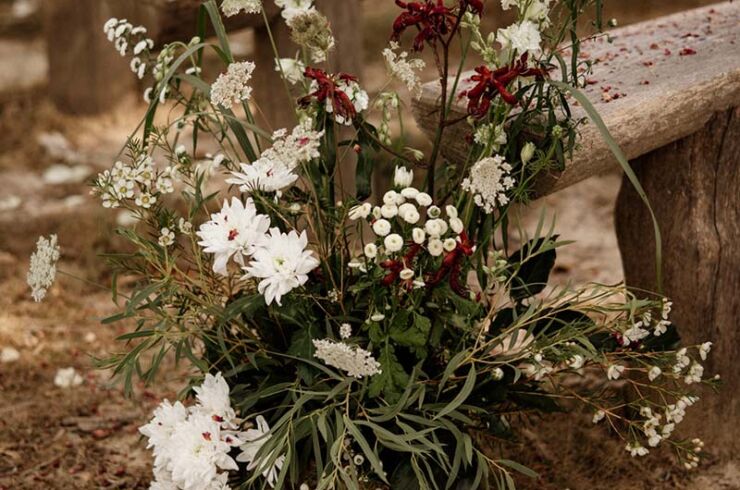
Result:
86,74
694,188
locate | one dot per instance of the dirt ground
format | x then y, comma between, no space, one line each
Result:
86,437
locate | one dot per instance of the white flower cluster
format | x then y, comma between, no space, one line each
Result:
488,181
233,87
491,136
140,183
387,103
233,7
395,222
291,69
533,10
273,171
355,361
191,446
254,439
404,69
359,98
641,329
43,268
124,35
520,38
291,8
279,259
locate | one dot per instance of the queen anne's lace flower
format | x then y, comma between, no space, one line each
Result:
43,269
356,362
282,263
488,181
255,439
235,231
233,7
404,69
233,87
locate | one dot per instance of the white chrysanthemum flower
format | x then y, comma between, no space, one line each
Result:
263,175
159,430
197,452
353,360
403,177
43,268
292,69
488,181
254,440
237,230
361,211
521,38
233,7
233,87
404,69
67,378
213,399
283,264
345,330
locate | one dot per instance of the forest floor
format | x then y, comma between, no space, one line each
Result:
86,437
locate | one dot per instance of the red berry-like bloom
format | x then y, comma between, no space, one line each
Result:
490,84
452,266
328,89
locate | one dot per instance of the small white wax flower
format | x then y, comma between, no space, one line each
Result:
449,244
436,247
497,374
406,274
360,211
434,212
418,235
382,227
598,416
166,237
345,330
403,177
393,243
389,211
451,211
653,373
704,350
67,378
614,371
576,362
457,225
424,199
371,250
8,355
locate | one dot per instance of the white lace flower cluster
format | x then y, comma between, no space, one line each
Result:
404,69
233,7
488,181
353,360
191,446
141,183
124,35
280,260
43,268
491,136
274,170
291,8
308,28
232,87
291,69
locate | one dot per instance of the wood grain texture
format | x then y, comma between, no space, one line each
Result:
663,92
693,185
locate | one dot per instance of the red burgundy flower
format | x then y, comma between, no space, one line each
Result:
490,84
328,89
475,6
452,266
394,267
431,17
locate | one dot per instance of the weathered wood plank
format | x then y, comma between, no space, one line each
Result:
694,187
649,87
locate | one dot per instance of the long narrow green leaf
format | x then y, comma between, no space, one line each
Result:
624,163
462,396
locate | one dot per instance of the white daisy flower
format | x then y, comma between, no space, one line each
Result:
254,440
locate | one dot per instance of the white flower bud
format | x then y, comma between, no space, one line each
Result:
435,247
450,244
361,211
376,212
406,274
389,211
451,211
424,199
403,177
418,235
371,250
457,225
527,152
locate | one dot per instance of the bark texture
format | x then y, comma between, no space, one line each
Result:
694,188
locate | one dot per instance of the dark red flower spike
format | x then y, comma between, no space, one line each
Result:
432,18
452,266
328,89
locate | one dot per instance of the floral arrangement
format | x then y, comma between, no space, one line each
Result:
378,338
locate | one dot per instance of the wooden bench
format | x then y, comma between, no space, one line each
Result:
87,75
669,92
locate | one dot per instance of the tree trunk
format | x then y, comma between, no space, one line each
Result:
694,188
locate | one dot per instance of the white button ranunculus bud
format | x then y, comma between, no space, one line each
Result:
403,177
